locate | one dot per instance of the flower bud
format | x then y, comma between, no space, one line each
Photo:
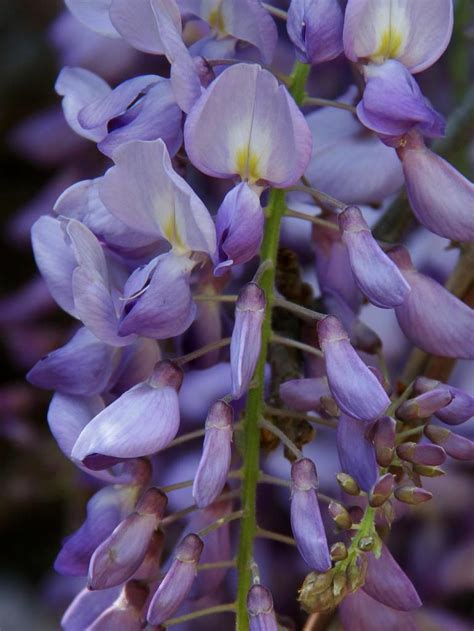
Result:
340,515
384,440
214,465
412,495
304,395
338,551
348,484
431,455
246,337
460,409
260,609
376,275
382,490
316,592
178,581
424,405
356,389
456,446
306,521
121,554
427,471
339,585
366,544
356,573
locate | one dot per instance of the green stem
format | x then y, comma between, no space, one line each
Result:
298,80
251,447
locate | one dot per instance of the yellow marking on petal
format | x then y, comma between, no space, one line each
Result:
216,21
171,234
390,45
247,164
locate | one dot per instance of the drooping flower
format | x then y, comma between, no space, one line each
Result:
356,453
306,521
356,389
431,317
393,104
441,197
246,337
214,465
141,421
315,28
414,33
230,133
376,275
178,581
260,608
126,612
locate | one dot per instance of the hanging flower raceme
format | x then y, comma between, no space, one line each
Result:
441,197
431,317
229,132
414,33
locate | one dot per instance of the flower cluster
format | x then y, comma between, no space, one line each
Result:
190,325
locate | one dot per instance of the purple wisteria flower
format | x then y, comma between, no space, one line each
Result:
223,242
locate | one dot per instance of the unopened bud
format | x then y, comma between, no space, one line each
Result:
424,405
384,440
356,514
329,406
260,609
340,515
431,455
381,490
339,585
316,592
456,446
412,495
338,551
428,472
348,484
366,544
356,573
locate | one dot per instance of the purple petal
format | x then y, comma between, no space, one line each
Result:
94,15
126,613
136,23
178,581
424,405
84,366
348,161
55,260
431,317
246,337
214,464
166,308
441,197
306,522
415,33
304,395
356,389
144,192
359,611
80,87
388,584
458,447
105,510
315,28
260,608
121,554
393,104
234,109
239,226
86,607
356,453
142,421
377,276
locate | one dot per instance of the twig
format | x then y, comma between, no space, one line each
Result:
278,13
316,220
213,346
286,341
209,611
306,314
275,536
310,100
301,416
289,444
